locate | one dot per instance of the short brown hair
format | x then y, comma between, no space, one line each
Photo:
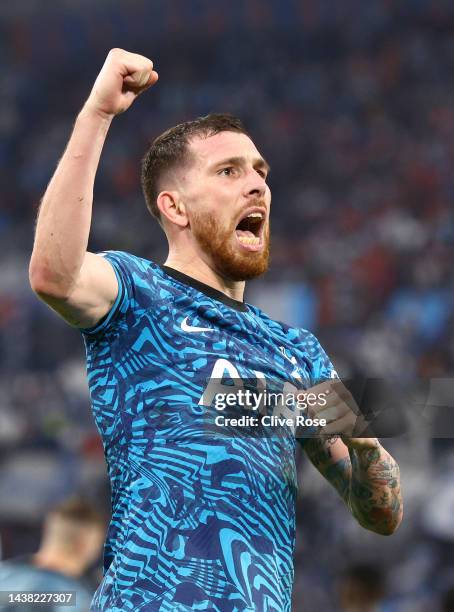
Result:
170,149
78,510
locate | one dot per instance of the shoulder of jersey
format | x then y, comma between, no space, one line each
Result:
274,323
132,260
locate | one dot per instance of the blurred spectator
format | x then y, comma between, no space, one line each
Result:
362,589
72,540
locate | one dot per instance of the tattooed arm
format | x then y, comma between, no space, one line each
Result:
366,477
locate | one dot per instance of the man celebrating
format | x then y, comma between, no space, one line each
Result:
199,521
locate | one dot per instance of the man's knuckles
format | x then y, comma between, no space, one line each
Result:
133,61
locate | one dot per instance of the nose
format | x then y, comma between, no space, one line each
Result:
255,185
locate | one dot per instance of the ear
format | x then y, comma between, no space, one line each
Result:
171,207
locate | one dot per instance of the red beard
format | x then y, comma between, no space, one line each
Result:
225,252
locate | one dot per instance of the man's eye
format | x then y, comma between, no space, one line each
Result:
227,171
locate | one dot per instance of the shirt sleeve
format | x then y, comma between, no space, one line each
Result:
321,367
123,265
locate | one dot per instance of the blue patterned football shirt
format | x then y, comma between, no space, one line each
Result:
199,521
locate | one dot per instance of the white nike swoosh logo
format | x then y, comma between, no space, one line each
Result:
188,328
292,359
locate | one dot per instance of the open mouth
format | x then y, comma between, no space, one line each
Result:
249,229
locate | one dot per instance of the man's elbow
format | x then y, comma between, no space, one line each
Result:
386,530
46,283
383,522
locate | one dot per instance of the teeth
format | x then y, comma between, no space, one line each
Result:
247,240
255,214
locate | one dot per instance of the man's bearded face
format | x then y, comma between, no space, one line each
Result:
228,205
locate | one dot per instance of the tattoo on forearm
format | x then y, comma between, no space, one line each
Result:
375,497
337,473
367,480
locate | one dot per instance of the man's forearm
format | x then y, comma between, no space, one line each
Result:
65,214
374,494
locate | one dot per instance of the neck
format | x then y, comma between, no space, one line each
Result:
57,561
199,270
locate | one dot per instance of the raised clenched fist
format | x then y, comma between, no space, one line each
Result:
123,77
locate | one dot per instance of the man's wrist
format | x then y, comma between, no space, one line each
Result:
91,112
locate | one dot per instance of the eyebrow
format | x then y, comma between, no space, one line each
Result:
241,161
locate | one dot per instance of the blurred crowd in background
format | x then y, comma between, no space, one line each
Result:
352,103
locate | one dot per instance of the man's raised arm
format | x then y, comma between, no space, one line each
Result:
81,286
